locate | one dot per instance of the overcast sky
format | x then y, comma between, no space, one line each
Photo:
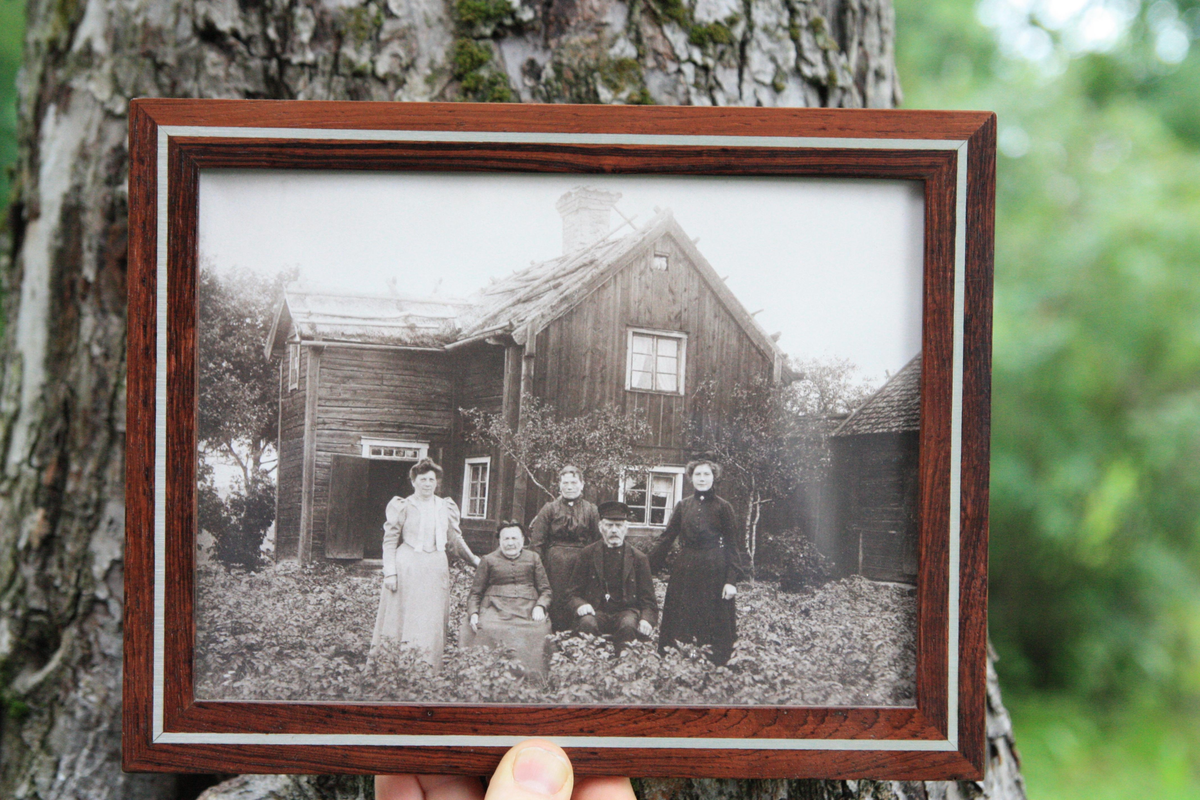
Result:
835,266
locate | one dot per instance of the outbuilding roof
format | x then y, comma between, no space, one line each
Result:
896,407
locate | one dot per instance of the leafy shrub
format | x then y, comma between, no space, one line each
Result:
237,522
793,560
303,633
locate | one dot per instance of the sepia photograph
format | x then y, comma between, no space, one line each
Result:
557,439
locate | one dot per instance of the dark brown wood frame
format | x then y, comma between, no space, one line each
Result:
936,166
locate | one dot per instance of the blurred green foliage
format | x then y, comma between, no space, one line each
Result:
1069,750
1095,548
1095,533
12,30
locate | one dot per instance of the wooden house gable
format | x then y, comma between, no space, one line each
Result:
664,289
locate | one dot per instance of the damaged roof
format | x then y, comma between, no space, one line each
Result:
518,305
896,407
394,321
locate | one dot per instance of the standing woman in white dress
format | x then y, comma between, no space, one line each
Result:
414,604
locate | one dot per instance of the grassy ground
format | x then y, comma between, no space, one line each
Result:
1074,751
291,633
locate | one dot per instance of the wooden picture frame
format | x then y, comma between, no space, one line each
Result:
951,153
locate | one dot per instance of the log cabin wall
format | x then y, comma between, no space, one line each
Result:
385,394
479,370
581,357
291,460
874,481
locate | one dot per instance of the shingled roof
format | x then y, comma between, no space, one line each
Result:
518,305
896,407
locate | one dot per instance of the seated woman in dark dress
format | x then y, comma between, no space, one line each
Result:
508,601
699,606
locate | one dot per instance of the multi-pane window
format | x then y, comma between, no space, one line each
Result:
475,487
656,361
293,366
395,451
651,494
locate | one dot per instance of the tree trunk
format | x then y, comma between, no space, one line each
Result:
62,262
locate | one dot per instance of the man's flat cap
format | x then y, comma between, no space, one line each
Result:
614,509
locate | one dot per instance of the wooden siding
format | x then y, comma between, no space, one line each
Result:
874,484
581,357
291,460
383,394
479,370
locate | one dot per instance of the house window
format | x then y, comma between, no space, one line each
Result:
394,451
475,487
661,262
293,365
656,361
651,494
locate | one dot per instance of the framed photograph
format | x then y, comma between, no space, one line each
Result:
658,432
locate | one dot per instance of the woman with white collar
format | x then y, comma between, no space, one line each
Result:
414,603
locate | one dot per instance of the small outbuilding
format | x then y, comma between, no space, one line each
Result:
871,529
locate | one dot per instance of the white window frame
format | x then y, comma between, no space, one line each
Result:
293,365
422,449
679,336
676,472
486,461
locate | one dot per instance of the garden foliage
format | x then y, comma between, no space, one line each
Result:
303,633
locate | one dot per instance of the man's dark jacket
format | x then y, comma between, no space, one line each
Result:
636,591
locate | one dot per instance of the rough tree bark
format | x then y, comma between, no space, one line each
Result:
62,263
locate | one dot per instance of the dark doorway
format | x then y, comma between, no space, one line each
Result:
385,480
359,491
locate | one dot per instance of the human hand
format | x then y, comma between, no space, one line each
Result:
475,623
729,592
585,609
539,613
533,770
645,628
390,582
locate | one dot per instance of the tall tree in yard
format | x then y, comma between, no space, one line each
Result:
238,406
63,265
753,445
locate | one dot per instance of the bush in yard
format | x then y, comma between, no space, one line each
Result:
793,560
237,522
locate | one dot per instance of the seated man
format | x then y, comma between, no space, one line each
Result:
611,591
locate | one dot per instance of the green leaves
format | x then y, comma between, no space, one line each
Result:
1095,535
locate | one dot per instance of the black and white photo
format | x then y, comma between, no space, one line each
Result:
557,439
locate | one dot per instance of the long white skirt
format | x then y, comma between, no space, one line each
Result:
417,613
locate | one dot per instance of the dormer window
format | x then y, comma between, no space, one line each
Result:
656,361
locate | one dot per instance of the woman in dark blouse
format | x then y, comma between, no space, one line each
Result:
699,607
508,601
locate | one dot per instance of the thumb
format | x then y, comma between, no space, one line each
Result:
533,770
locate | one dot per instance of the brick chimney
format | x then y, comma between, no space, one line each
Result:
585,213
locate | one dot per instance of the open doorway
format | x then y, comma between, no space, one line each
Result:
359,491
385,480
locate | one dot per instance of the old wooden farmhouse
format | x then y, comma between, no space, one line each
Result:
368,385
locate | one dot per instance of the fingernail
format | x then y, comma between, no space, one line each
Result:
540,771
